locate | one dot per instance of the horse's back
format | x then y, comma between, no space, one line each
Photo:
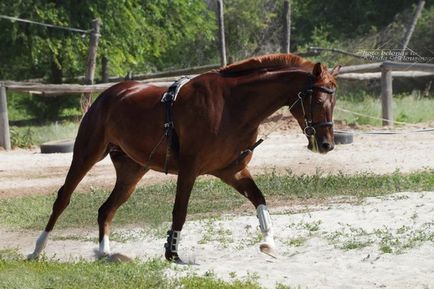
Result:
132,92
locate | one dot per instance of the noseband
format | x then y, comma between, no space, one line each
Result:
307,92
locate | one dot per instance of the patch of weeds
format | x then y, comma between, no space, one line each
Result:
310,227
10,254
296,242
253,236
414,216
210,281
305,230
283,286
388,240
256,238
313,226
355,244
395,197
349,238
22,138
217,233
386,249
404,238
74,238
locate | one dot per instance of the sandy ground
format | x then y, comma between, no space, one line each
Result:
228,246
312,245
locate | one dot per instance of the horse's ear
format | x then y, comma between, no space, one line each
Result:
317,69
335,71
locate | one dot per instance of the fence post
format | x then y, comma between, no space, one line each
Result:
104,69
222,41
91,63
286,36
386,95
5,140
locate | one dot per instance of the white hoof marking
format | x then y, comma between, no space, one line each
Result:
41,242
104,246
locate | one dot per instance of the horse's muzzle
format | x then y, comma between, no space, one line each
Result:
326,146
321,147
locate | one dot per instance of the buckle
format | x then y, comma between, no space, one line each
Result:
169,124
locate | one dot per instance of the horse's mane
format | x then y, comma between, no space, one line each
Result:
272,61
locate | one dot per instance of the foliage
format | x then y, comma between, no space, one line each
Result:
135,35
151,35
344,19
423,38
51,108
252,27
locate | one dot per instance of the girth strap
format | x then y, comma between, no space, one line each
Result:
169,97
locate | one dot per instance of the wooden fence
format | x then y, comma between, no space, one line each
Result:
385,70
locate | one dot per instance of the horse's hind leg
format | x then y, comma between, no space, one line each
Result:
87,152
243,182
128,174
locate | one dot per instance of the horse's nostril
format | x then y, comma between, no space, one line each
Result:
326,146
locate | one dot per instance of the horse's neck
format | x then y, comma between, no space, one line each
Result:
261,96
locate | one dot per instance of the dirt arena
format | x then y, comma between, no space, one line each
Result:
318,257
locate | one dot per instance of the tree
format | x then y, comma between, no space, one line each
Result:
135,35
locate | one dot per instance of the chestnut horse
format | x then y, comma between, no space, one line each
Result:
216,117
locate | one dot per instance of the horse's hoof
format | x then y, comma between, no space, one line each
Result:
33,256
102,254
172,257
268,249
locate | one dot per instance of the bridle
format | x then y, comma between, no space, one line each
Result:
309,129
310,126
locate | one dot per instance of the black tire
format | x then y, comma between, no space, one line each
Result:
342,137
60,146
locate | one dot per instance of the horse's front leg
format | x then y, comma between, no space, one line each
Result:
243,182
186,179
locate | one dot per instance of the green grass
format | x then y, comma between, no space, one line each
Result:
152,204
406,108
16,273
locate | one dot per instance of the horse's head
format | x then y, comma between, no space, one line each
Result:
314,108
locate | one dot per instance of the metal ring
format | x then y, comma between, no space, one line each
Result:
309,131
